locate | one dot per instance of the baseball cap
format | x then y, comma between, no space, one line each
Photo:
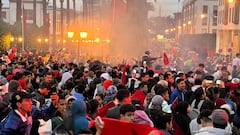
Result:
19,95
219,116
105,76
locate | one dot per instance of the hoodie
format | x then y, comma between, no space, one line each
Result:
141,117
65,77
79,111
213,131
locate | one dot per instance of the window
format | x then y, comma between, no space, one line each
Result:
205,9
4,14
215,10
28,14
214,21
204,21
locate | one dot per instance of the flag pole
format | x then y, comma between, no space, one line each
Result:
22,17
114,10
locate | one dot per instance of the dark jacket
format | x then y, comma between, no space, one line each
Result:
14,125
114,112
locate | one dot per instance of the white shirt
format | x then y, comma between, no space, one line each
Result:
236,61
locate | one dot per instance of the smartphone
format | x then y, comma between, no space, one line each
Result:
99,120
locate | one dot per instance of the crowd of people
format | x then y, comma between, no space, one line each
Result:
50,97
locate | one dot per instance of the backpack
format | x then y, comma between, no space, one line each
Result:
195,111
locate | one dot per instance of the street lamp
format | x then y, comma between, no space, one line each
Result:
11,39
70,34
230,1
83,35
20,39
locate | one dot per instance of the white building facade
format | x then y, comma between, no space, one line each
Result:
199,16
228,33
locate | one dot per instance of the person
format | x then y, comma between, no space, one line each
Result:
146,58
178,91
123,97
79,90
19,119
5,108
236,61
133,82
164,122
140,115
220,121
180,119
127,112
79,113
61,112
141,93
99,98
41,96
206,121
201,70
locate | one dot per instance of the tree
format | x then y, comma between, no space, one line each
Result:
4,41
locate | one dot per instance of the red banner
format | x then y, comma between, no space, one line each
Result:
118,127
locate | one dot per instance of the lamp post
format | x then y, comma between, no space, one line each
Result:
83,35
70,36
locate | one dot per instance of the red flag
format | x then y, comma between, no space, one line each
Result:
118,7
123,77
103,111
113,125
165,59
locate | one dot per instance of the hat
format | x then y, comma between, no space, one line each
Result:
105,76
164,83
156,102
136,103
107,83
19,95
219,102
220,117
70,98
86,69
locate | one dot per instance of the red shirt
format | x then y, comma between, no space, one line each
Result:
23,83
140,95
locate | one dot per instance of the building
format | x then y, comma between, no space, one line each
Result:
199,16
228,33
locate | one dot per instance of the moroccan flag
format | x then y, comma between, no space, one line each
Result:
126,128
123,77
165,59
118,9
